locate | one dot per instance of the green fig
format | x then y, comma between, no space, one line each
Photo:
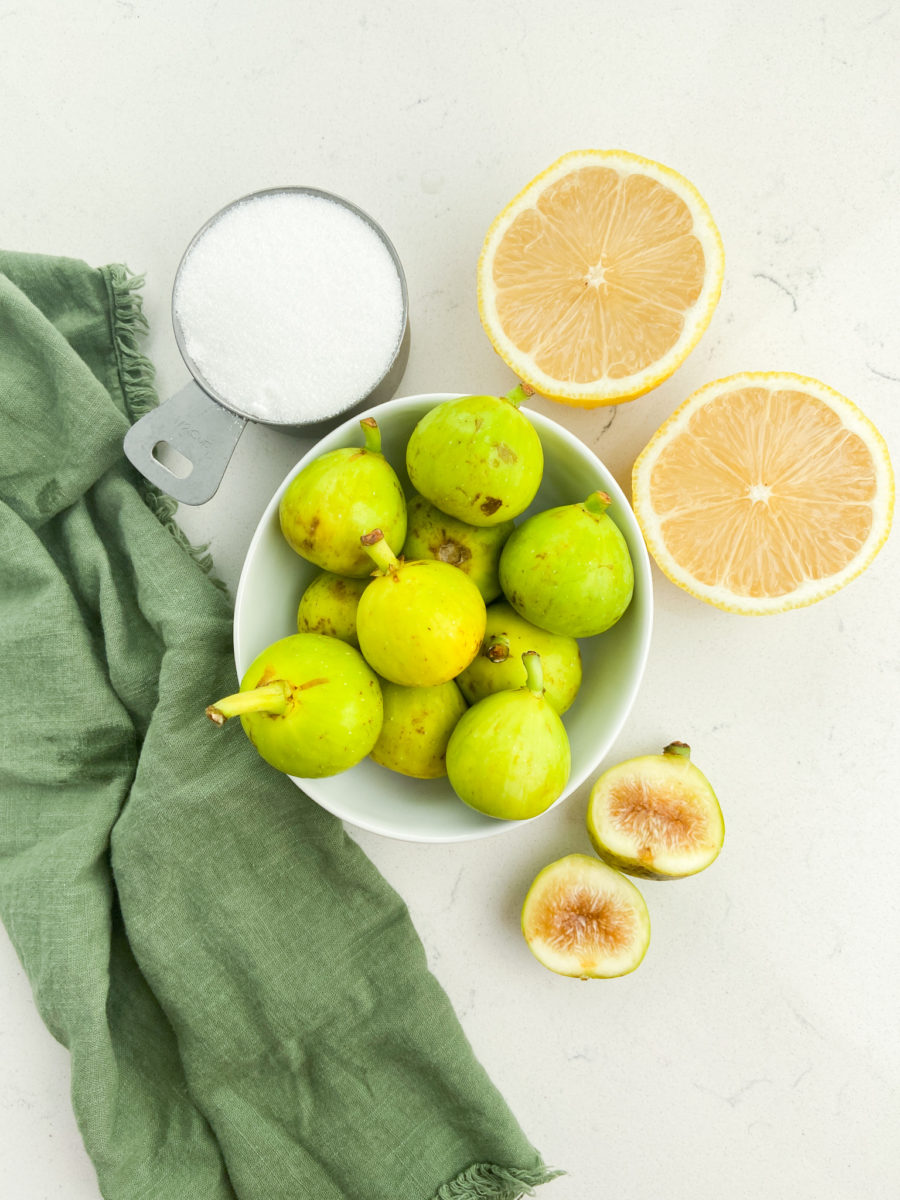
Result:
329,606
477,458
509,755
417,725
499,667
431,533
656,816
419,623
568,570
337,498
309,704
585,920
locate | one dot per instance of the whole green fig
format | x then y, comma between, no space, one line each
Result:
329,606
419,623
309,704
477,458
417,725
431,533
568,570
498,666
337,498
509,755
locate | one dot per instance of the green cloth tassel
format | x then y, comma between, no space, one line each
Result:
247,1006
136,374
484,1181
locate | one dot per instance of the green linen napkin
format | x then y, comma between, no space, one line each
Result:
247,1006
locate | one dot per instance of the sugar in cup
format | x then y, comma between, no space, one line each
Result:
290,309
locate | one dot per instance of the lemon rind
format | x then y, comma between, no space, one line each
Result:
811,591
697,318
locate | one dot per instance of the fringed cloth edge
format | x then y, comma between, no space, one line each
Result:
136,376
487,1181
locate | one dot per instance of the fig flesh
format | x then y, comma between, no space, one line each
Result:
419,623
499,667
568,570
337,498
309,704
431,533
509,755
418,722
583,919
329,606
477,458
656,816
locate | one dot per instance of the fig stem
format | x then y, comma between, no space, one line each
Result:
519,393
597,503
678,750
372,434
379,551
534,672
271,698
497,648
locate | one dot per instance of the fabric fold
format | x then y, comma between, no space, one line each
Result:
247,1005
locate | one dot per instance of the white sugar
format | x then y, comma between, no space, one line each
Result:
290,306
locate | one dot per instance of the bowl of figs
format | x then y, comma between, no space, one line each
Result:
442,620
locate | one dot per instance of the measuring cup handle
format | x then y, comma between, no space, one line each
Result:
202,432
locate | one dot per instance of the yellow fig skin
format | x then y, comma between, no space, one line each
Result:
418,722
329,606
421,623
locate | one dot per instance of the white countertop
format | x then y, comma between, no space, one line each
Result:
755,1053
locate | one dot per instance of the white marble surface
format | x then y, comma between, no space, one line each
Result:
755,1053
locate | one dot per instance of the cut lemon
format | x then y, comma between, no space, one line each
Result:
763,492
597,280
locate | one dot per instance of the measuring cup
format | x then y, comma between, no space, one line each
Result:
203,426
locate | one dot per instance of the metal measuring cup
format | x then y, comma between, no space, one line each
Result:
203,426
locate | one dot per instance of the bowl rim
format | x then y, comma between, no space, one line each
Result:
643,576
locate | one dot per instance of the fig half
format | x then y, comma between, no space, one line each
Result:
583,919
656,816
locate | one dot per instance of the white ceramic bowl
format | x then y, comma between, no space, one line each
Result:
372,797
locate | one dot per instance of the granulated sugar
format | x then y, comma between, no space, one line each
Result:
290,306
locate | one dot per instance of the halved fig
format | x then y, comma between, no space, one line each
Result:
583,919
656,816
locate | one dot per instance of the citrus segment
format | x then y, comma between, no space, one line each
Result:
598,279
764,492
